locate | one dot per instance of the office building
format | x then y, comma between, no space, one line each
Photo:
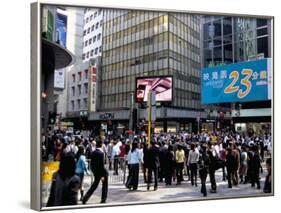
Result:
228,40
144,43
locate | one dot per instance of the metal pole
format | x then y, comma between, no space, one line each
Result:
149,119
131,112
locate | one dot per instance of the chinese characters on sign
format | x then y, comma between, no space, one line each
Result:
240,82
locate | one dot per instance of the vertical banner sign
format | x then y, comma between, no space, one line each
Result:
240,82
93,89
61,28
59,79
48,24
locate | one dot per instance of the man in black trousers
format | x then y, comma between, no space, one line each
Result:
100,173
152,164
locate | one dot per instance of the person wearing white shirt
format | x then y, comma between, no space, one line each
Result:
115,156
193,159
134,159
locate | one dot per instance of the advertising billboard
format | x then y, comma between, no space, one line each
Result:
59,79
92,88
61,27
47,24
161,85
239,82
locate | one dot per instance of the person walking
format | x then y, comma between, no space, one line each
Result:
267,184
169,165
134,159
254,167
230,165
180,158
243,165
81,167
236,154
192,161
152,164
115,157
65,183
204,161
100,173
212,167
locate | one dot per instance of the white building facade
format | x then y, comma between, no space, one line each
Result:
92,33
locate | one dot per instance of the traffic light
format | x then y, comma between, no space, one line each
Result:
52,117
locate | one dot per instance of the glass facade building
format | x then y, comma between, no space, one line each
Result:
148,43
227,40
138,43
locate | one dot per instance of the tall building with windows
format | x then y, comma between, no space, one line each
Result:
146,43
227,40
92,33
73,41
79,77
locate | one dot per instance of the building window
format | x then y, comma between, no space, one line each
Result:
86,74
88,54
91,17
90,41
73,78
72,105
84,32
93,28
100,49
87,20
94,38
97,25
101,23
92,52
86,43
79,89
86,88
96,51
88,31
83,56
80,76
85,103
78,103
73,91
95,14
99,36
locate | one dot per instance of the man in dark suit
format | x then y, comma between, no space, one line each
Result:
153,164
100,173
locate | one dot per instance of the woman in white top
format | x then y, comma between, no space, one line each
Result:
134,159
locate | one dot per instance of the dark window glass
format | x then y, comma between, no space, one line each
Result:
227,53
263,46
227,26
261,22
217,55
217,25
227,39
207,57
261,32
217,41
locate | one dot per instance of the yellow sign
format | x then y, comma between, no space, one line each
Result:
48,169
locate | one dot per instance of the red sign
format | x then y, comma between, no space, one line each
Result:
94,78
94,70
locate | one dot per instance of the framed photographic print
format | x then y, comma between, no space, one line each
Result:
140,106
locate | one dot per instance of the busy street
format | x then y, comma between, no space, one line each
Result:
154,106
180,188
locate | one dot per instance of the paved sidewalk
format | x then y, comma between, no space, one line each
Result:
117,193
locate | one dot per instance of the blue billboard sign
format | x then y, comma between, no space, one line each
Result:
240,82
61,24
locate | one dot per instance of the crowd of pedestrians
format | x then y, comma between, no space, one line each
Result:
169,157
